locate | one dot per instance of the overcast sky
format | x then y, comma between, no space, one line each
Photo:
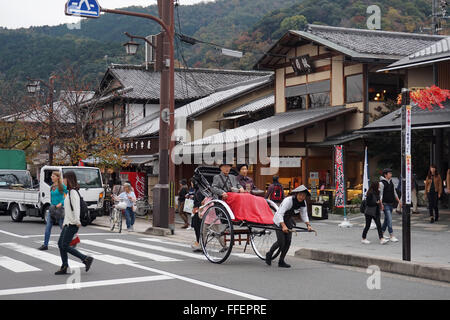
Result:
25,13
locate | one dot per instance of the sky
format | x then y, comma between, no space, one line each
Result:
26,13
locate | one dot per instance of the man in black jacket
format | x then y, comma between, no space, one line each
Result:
388,196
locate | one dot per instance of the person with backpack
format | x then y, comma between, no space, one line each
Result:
388,196
56,212
72,211
372,211
275,191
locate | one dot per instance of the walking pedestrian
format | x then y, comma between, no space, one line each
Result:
448,181
58,191
181,198
129,198
196,221
433,192
388,196
275,192
292,206
372,212
71,225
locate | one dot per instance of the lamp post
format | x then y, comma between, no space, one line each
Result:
33,87
164,210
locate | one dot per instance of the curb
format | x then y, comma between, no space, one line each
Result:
437,272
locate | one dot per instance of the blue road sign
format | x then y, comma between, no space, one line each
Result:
83,8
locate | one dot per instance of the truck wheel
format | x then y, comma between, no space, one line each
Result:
16,215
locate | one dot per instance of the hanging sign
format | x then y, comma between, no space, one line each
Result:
339,172
302,65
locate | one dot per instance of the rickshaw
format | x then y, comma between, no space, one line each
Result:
221,228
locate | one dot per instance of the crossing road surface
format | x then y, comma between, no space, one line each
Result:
136,266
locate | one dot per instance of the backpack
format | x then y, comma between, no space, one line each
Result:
84,211
277,193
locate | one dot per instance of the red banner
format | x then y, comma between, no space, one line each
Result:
137,181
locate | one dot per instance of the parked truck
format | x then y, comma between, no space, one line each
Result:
21,198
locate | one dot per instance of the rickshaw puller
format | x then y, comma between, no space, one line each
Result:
292,206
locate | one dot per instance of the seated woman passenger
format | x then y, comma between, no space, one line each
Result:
245,181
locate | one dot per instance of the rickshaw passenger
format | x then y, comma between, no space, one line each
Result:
225,182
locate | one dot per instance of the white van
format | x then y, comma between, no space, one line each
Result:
24,199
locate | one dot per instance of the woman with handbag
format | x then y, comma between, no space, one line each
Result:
433,192
58,191
71,225
373,212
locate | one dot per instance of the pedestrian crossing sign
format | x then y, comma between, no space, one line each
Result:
83,8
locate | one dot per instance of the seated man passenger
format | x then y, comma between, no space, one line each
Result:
225,182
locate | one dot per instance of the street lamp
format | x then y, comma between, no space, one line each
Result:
131,47
34,86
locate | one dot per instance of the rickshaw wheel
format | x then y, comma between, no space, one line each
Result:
262,240
216,234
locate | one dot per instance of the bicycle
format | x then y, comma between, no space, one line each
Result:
116,216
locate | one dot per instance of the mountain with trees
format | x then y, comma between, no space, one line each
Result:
251,26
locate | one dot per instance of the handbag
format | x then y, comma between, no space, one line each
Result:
371,211
56,213
188,205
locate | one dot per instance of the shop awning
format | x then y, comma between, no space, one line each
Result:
421,120
338,140
141,160
263,129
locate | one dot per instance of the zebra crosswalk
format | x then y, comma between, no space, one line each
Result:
21,258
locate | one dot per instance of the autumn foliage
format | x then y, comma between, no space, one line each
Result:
427,98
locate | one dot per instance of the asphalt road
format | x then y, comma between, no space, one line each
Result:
136,266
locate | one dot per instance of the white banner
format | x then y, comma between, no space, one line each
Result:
408,155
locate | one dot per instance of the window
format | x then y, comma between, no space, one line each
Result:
384,87
319,100
296,103
354,88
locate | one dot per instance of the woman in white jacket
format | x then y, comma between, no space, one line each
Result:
71,225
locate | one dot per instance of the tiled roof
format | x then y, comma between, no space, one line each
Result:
278,123
189,83
150,124
438,51
356,43
421,119
253,106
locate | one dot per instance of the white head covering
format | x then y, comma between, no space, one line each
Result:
302,188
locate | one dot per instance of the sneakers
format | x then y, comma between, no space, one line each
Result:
43,248
393,239
61,271
365,241
384,241
196,247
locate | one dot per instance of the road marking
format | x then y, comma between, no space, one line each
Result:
151,256
41,255
82,285
16,265
13,234
80,234
240,255
158,248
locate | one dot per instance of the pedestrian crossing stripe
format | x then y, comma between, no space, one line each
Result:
151,256
16,265
41,255
158,248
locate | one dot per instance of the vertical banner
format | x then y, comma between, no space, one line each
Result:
137,181
339,173
408,155
365,175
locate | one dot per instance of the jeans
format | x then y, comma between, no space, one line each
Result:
367,227
129,217
387,218
48,228
64,245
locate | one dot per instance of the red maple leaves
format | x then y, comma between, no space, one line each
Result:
427,98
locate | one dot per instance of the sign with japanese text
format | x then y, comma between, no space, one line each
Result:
339,172
302,65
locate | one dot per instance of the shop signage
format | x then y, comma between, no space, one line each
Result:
285,162
302,65
408,155
140,147
340,182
